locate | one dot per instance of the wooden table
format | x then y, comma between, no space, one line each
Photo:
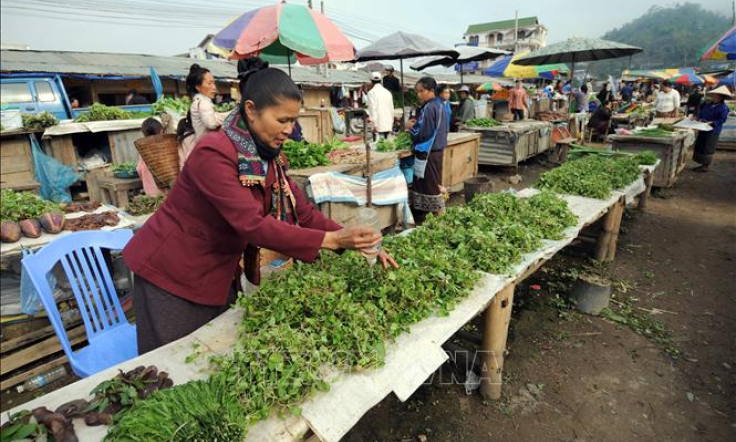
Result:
410,358
114,190
672,151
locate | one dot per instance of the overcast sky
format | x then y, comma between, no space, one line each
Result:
168,27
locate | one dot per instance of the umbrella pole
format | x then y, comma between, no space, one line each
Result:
461,74
403,107
288,60
368,172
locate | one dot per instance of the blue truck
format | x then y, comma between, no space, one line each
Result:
34,94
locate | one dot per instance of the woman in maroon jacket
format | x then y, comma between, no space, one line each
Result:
233,195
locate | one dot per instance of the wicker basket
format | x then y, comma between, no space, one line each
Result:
161,155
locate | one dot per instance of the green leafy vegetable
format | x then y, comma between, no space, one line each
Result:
144,204
302,155
39,121
100,112
401,142
128,168
482,122
178,105
594,176
17,206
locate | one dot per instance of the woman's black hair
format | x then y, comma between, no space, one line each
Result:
264,86
441,88
428,83
195,78
151,126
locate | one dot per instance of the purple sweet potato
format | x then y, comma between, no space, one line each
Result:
9,231
31,228
52,222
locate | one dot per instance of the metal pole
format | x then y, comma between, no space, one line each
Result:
368,174
516,33
403,107
461,74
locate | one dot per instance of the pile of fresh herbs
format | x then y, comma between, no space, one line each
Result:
302,154
339,312
100,112
401,142
40,121
482,122
144,204
178,105
127,168
17,206
595,176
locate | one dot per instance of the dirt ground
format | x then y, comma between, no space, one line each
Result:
663,368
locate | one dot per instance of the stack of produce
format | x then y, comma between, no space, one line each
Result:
401,142
595,175
662,131
144,204
302,154
339,312
28,214
100,112
112,399
125,170
178,105
38,122
482,122
551,115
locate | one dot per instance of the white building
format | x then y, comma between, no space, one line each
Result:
500,35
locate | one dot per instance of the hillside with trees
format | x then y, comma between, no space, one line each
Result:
671,36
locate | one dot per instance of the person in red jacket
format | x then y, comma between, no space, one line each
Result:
234,195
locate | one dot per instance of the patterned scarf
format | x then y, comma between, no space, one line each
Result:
252,170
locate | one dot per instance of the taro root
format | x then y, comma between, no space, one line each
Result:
94,419
31,228
9,231
73,408
52,222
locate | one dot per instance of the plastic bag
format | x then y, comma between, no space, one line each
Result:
54,177
30,302
338,123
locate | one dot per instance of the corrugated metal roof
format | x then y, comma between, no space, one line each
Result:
137,65
503,24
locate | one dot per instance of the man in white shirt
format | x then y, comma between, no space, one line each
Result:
380,107
667,103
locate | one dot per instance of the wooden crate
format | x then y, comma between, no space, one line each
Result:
460,160
16,164
671,151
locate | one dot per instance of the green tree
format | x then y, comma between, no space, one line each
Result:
671,36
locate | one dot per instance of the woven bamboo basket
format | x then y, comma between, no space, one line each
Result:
161,155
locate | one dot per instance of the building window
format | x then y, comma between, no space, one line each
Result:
44,92
473,40
499,38
16,93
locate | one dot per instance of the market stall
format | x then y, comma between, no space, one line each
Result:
632,115
409,359
672,150
508,144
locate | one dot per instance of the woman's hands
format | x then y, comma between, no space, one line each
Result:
355,238
359,238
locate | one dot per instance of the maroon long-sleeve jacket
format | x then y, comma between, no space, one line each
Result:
192,245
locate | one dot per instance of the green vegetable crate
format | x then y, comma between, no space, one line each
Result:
512,143
672,152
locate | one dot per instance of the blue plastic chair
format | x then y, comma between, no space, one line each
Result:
112,339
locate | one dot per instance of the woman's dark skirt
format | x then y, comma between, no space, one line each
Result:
705,147
425,195
162,317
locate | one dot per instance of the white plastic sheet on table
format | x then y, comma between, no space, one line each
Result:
410,359
32,243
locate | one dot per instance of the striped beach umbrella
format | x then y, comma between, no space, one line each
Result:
283,34
687,79
506,67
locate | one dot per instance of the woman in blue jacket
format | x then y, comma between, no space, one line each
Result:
715,113
429,139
